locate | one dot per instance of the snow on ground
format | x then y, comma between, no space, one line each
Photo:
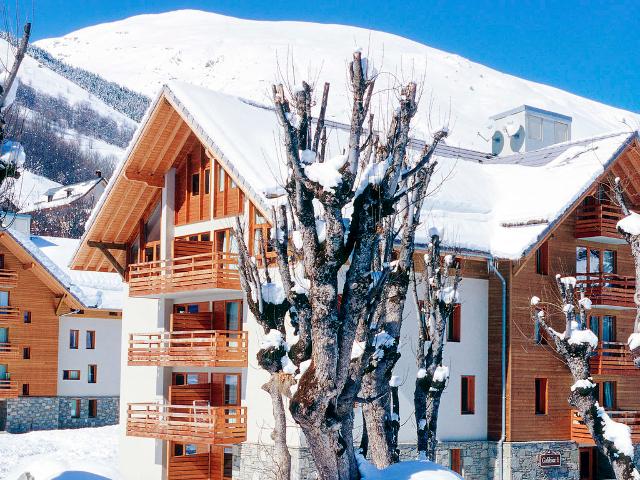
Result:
241,57
80,454
407,470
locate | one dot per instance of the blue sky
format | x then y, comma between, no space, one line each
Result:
589,48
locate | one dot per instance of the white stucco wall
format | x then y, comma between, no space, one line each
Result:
468,357
140,458
106,356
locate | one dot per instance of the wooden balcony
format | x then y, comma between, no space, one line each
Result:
613,358
9,316
597,221
608,289
187,423
195,272
8,278
8,351
8,388
580,432
197,348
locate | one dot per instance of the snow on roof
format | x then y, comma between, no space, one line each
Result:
92,289
29,188
493,206
59,195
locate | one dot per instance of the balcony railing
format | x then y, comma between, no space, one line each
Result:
613,358
8,278
8,351
188,424
8,387
597,221
195,272
9,316
580,432
608,289
198,348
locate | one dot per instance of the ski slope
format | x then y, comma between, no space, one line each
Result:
244,57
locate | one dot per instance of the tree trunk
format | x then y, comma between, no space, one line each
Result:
282,457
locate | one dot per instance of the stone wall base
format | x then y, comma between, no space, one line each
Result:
479,460
24,414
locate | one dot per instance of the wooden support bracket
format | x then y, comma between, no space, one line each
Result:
60,305
104,248
150,179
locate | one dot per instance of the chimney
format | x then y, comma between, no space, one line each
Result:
527,128
99,173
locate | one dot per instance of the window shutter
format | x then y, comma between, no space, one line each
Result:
219,316
217,389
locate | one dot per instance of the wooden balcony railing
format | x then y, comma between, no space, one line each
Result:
613,358
580,432
8,351
597,221
8,278
198,348
8,388
608,289
188,424
9,316
195,272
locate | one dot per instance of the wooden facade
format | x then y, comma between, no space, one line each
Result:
532,359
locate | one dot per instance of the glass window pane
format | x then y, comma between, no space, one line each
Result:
594,261
581,260
594,325
220,179
190,449
608,261
231,390
232,316
192,378
608,395
608,328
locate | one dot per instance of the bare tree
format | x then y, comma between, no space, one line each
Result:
336,341
379,389
576,346
9,163
629,228
442,278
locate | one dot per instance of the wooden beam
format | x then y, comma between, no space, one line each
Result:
105,251
156,181
28,266
109,245
60,304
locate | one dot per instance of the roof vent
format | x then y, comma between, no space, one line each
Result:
528,128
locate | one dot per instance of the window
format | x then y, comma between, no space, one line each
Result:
180,450
25,389
594,260
231,396
93,408
74,336
607,394
26,353
541,396
539,334
604,327
71,374
1,261
227,465
542,259
92,374
195,184
454,325
91,339
220,178
468,395
561,132
207,181
75,408
534,125
26,316
233,315
455,463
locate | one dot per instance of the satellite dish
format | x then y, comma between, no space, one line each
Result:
497,142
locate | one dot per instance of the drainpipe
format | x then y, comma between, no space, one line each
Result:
492,268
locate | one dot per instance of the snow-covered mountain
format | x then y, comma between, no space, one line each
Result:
244,58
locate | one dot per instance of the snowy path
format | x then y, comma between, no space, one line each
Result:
48,454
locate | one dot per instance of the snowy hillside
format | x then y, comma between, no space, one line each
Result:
240,57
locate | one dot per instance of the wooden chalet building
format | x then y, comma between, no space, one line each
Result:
191,397
58,335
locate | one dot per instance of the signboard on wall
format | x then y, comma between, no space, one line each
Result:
549,460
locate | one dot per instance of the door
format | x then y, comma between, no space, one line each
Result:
587,463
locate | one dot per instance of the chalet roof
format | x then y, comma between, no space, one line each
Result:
493,206
86,289
60,195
